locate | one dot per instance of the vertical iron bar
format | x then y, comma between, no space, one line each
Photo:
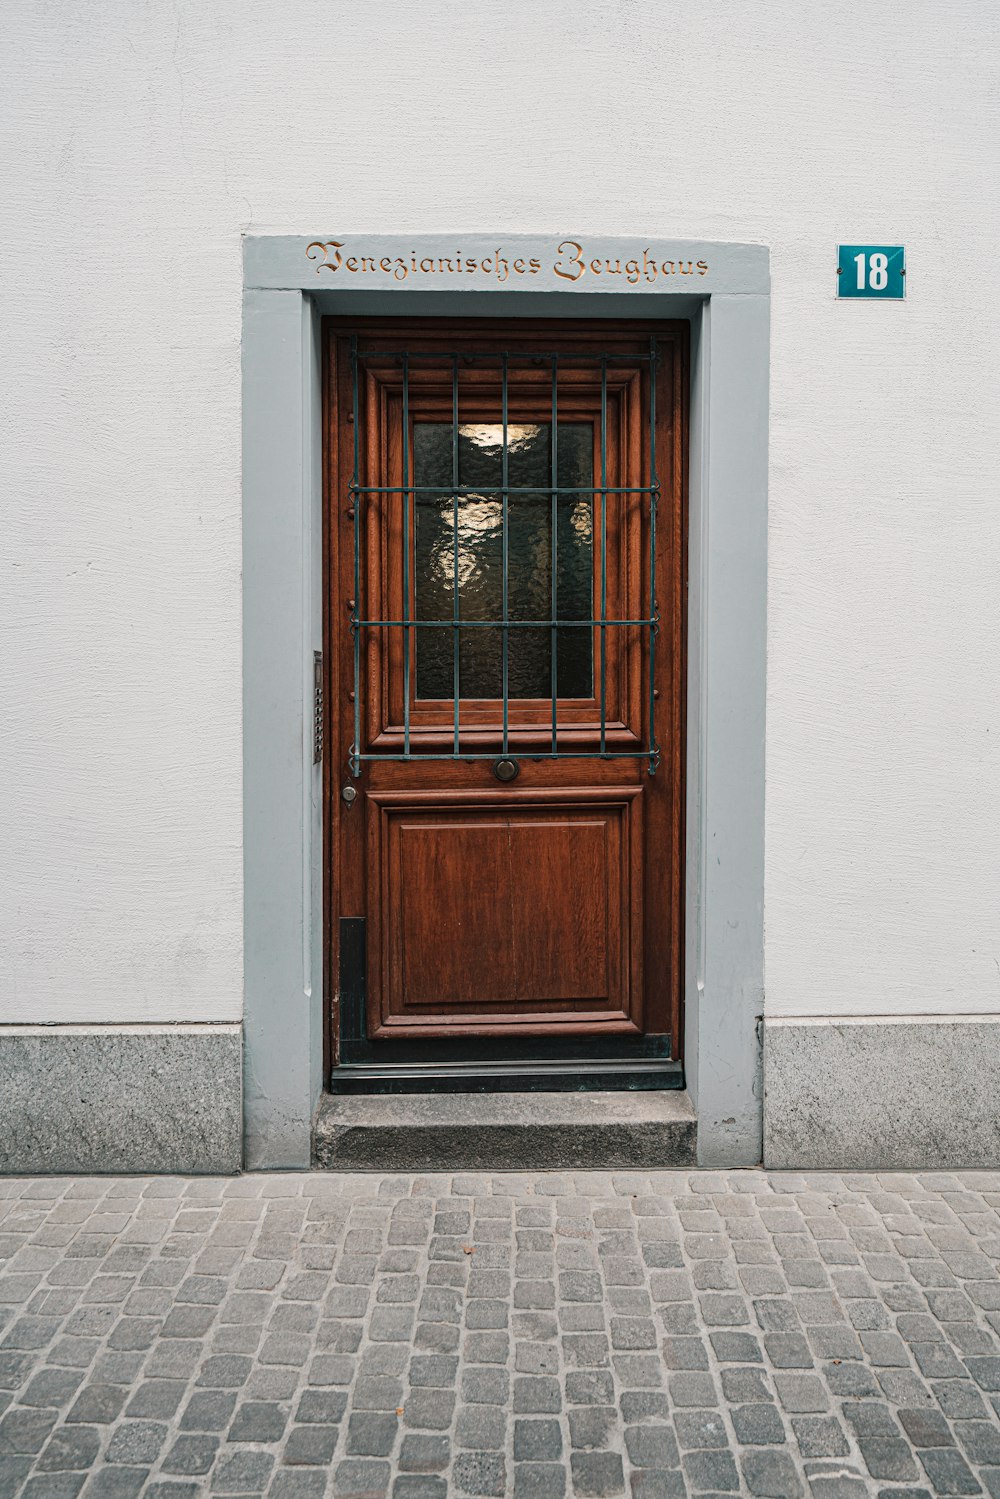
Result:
604,550
554,509
505,557
456,689
355,760
406,556
653,499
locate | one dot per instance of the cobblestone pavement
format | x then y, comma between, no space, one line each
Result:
590,1334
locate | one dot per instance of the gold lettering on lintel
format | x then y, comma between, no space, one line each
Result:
571,261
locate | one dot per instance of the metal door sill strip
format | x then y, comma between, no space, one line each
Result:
507,1077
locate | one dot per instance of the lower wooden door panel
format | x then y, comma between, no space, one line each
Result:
505,912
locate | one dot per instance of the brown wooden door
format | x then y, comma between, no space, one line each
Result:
494,571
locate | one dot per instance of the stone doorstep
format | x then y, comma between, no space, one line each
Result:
504,1131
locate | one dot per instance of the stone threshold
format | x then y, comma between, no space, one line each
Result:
504,1131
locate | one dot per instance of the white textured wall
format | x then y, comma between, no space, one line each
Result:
140,138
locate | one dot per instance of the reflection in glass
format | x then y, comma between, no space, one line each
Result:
480,558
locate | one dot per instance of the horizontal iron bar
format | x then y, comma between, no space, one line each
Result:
493,754
499,357
447,492
498,624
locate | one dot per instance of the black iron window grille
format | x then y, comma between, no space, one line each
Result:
413,623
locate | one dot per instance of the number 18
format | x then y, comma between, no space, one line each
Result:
877,269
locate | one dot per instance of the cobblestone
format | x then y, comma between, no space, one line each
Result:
420,1337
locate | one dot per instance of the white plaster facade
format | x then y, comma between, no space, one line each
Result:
142,142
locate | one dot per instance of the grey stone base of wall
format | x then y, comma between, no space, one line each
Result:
872,1095
505,1132
97,1099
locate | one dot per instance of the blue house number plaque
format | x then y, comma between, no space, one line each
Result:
871,271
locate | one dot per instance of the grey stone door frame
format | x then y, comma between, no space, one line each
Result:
290,281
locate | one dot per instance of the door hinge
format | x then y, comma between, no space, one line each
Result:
317,707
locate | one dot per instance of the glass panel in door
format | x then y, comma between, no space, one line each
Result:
549,559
